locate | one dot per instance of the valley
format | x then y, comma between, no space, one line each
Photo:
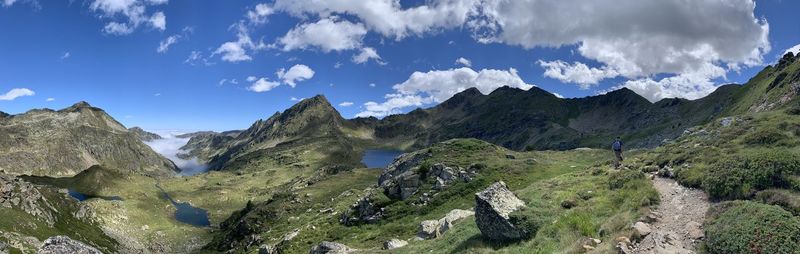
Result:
308,179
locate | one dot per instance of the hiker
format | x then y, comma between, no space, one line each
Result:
617,147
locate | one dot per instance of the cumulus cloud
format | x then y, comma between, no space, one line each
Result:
126,15
258,15
328,34
634,39
577,73
436,86
297,73
795,50
690,85
464,62
387,17
263,85
237,51
346,104
366,54
16,93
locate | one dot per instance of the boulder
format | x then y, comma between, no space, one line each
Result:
694,230
640,230
430,229
330,248
266,249
3,247
363,211
394,244
65,245
492,209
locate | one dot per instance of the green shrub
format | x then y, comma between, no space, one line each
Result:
749,227
740,177
787,199
617,180
765,137
691,177
526,220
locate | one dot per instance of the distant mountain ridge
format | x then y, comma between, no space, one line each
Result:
45,142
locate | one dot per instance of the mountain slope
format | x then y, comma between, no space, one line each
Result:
144,135
45,142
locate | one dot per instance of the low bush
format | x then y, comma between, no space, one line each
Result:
692,176
618,179
750,227
526,220
765,137
740,177
789,200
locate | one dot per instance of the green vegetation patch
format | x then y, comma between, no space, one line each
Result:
750,227
741,176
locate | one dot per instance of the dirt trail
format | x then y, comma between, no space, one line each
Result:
680,218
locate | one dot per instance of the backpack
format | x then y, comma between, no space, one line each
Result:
617,146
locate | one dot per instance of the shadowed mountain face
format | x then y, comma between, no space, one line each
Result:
61,143
144,135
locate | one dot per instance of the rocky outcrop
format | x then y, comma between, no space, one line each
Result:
492,209
430,229
16,193
65,245
144,135
394,244
363,211
63,143
330,248
404,177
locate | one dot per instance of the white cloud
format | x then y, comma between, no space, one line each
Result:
164,45
577,73
337,65
157,94
50,99
366,54
387,17
298,72
65,55
259,14
436,86
170,146
263,85
692,85
296,99
328,34
346,104
196,58
7,3
251,79
371,84
126,15
558,95
237,51
795,50
16,93
464,62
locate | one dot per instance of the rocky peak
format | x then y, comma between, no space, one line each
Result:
4,114
78,106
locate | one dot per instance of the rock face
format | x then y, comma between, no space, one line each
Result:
394,244
492,208
144,135
15,193
363,211
403,178
330,248
65,245
62,143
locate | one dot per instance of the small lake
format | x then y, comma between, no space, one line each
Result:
379,158
187,213
81,196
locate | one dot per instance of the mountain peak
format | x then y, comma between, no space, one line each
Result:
78,106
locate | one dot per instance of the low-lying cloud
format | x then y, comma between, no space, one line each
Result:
170,146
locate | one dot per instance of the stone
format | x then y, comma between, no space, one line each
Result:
428,229
640,230
694,230
492,209
330,248
568,204
510,156
266,249
65,245
394,244
726,121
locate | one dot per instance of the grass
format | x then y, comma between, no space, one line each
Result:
542,179
750,227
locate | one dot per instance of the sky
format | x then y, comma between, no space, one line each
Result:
223,64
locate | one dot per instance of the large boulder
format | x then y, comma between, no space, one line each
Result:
65,245
363,211
492,209
330,248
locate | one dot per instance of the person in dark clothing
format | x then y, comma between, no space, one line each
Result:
617,148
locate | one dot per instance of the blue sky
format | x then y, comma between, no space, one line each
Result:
106,52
